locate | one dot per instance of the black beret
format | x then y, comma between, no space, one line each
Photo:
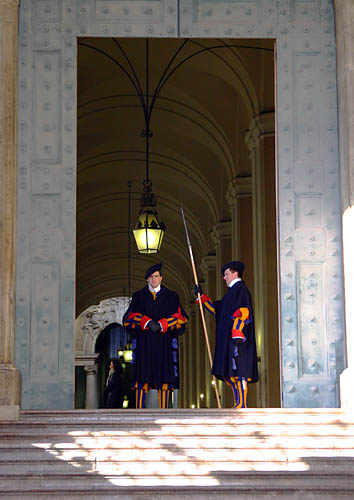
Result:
153,269
234,264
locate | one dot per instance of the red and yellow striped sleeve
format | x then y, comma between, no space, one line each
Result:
133,320
208,303
176,320
241,318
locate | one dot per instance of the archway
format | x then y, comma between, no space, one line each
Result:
309,215
99,337
212,150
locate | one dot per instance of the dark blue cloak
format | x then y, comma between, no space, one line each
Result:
225,363
155,355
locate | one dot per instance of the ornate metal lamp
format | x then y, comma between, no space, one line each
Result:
128,353
148,231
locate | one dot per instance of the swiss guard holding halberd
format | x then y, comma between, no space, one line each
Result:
235,356
156,319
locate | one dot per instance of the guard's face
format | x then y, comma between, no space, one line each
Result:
154,279
230,276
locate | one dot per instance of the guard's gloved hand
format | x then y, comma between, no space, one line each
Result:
154,327
197,289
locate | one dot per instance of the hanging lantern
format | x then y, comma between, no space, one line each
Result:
148,231
128,353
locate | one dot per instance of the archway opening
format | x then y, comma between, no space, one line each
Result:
213,152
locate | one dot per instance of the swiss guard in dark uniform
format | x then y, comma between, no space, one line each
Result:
156,318
235,355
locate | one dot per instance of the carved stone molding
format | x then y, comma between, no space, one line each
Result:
90,370
220,231
6,4
239,186
260,126
91,322
8,10
86,360
208,263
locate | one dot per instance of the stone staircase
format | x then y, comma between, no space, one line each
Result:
174,454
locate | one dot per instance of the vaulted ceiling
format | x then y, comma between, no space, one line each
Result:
199,123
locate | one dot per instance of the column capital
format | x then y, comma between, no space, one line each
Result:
208,263
86,359
238,187
345,9
8,8
221,230
9,3
90,369
262,125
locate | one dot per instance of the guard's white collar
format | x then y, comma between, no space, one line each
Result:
233,282
155,290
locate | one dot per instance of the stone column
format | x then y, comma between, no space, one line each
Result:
199,351
260,141
344,15
10,381
91,387
190,389
240,199
221,236
184,357
152,399
208,268
239,190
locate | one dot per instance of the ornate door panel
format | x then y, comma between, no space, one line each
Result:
311,288
47,177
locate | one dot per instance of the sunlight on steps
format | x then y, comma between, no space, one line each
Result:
261,449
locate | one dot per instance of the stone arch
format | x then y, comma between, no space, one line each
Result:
91,322
88,326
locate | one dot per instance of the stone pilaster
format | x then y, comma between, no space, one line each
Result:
184,360
10,382
240,187
190,382
344,15
199,355
260,141
208,269
221,236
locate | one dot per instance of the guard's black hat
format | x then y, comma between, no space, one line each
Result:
234,264
153,269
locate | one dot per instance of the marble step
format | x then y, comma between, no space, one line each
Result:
332,466
153,455
273,416
258,444
217,485
240,458
178,493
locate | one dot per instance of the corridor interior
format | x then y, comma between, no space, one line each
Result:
212,151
